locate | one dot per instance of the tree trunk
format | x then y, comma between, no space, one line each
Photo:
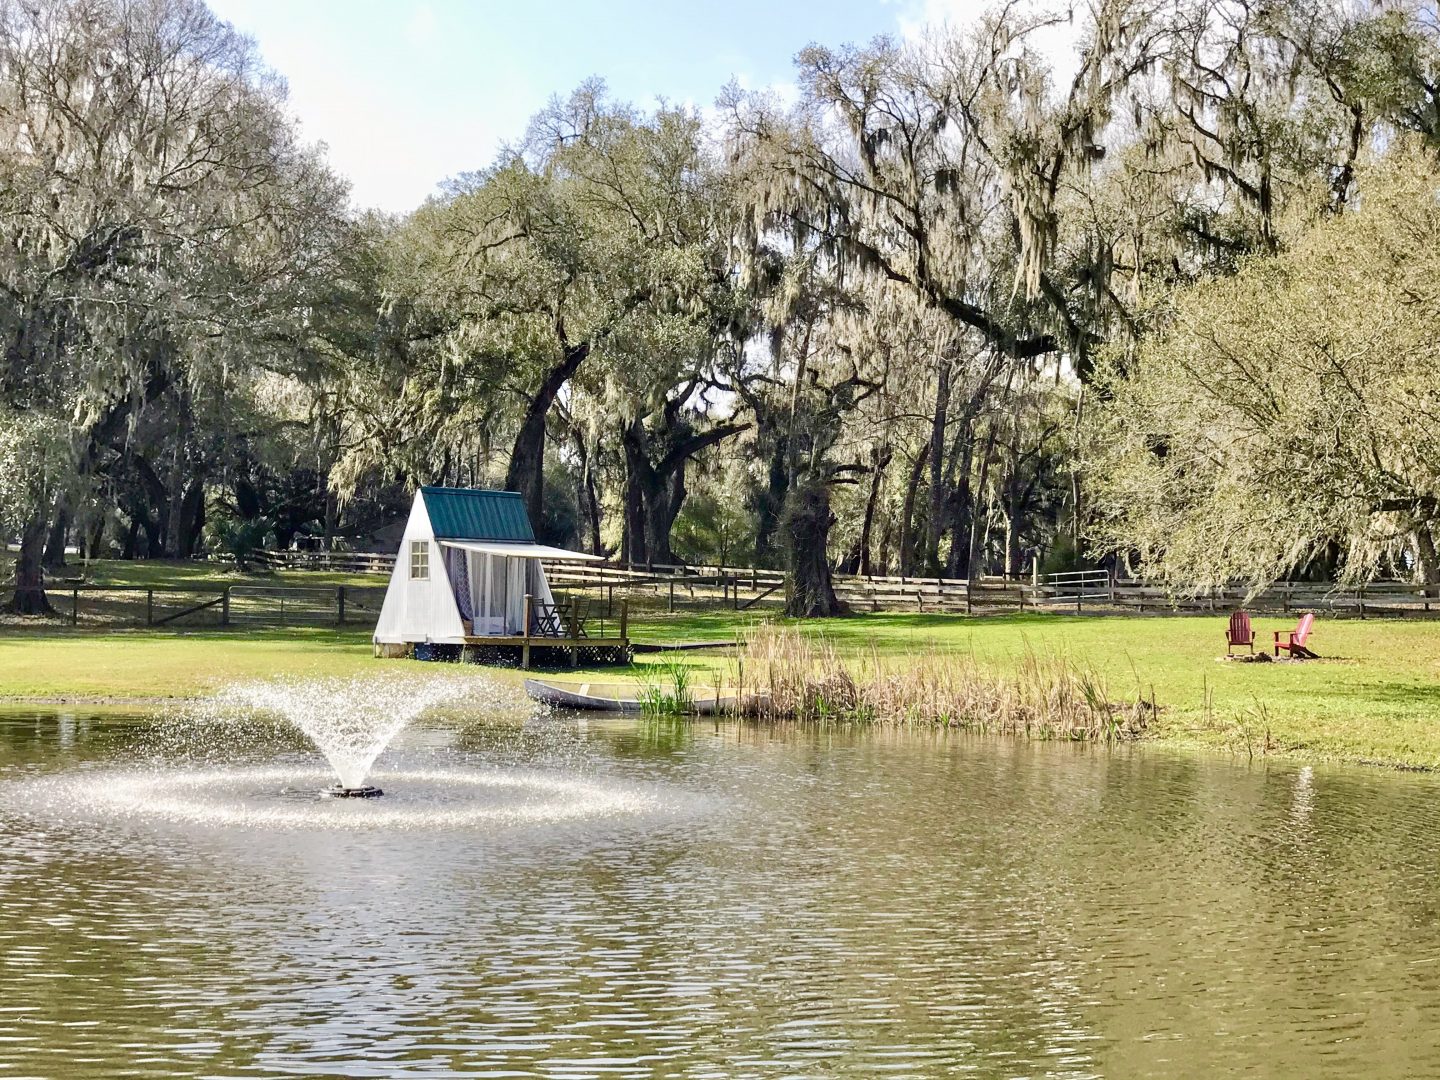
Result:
157,497
586,495
526,473
975,538
188,518
807,522
880,460
935,523
882,564
59,533
656,492
771,502
906,553
665,506
637,470
1427,558
29,598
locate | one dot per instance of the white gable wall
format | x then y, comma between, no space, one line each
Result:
419,610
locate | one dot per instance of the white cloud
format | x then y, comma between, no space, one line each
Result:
917,19
422,28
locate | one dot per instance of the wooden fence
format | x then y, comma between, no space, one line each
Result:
213,605
657,588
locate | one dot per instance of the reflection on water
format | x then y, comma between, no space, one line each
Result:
776,903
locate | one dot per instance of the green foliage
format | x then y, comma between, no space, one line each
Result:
236,537
36,461
714,528
1288,408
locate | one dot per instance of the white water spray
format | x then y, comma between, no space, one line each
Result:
351,720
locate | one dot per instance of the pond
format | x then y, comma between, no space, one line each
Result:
632,898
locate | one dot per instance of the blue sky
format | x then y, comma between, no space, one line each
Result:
408,92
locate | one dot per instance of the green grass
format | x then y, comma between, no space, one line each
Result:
1375,696
154,664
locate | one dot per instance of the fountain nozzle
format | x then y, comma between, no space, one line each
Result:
336,791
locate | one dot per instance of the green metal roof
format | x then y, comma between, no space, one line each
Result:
474,514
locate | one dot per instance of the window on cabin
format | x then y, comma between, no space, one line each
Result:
419,560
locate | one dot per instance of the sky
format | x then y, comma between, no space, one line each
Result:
406,93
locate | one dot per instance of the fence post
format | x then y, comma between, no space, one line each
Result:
225,607
74,607
525,645
340,605
672,595
149,606
624,617
1360,596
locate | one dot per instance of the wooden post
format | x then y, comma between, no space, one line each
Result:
672,595
225,607
624,617
340,605
74,607
574,637
149,606
525,645
1360,596
755,578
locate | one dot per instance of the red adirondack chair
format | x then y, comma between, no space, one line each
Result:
1294,642
1239,633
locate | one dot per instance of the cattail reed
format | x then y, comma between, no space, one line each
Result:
785,674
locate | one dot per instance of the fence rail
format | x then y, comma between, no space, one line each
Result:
212,605
200,604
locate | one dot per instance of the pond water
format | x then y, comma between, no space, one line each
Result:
557,898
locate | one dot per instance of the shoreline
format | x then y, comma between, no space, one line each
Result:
1178,742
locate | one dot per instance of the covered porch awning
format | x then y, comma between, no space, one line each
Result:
514,550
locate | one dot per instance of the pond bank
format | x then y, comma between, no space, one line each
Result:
1373,699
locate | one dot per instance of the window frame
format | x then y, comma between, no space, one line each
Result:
419,560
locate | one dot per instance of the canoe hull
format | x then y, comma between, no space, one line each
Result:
593,697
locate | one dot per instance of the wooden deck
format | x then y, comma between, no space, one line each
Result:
611,650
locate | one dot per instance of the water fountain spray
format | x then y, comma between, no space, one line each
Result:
351,721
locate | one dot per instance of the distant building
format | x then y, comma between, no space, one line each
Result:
467,560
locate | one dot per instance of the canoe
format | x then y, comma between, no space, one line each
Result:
621,697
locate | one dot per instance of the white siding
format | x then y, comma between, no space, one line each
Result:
419,610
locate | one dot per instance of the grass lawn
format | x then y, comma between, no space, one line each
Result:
1375,696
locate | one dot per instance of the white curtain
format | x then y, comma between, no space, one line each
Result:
515,595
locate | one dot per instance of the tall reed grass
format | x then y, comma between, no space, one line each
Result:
785,674
668,693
